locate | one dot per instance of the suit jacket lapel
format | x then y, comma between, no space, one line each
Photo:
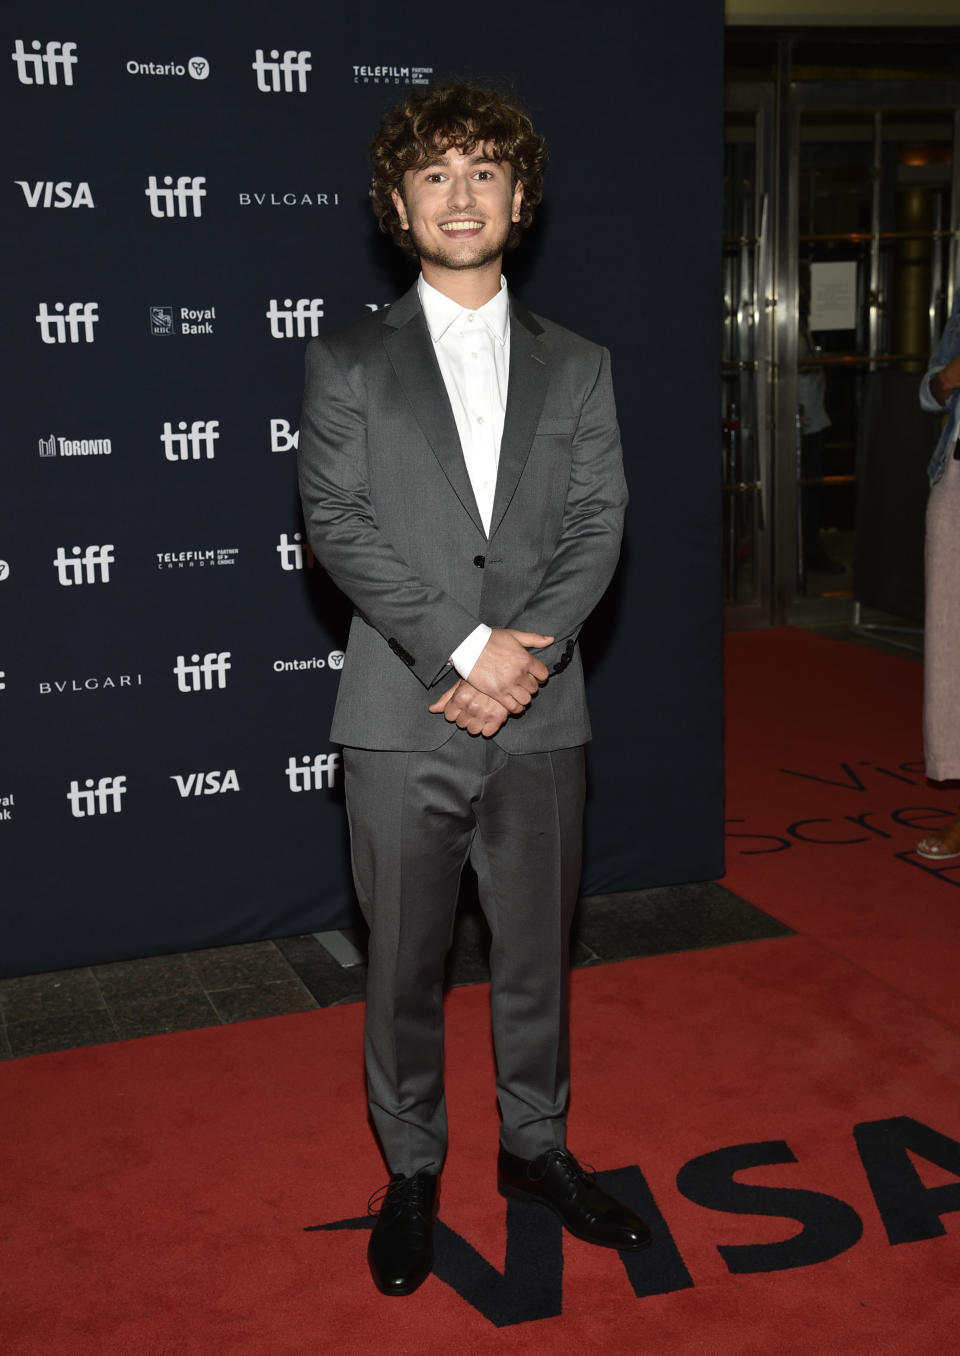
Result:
526,392
410,350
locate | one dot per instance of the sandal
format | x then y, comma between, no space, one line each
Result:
944,843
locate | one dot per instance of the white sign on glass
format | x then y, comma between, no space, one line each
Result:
833,296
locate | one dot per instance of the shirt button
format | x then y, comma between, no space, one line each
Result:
479,418
470,319
473,355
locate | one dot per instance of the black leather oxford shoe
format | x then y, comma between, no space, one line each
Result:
555,1179
400,1252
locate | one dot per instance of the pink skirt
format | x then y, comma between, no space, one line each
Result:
941,690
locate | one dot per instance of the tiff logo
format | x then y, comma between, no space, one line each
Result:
313,774
64,329
199,674
296,554
276,76
102,798
195,444
291,323
176,202
282,437
84,568
56,57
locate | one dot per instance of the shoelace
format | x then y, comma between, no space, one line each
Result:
573,1170
407,1193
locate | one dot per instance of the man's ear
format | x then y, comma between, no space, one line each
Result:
401,207
517,199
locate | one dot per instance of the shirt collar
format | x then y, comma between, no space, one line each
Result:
441,311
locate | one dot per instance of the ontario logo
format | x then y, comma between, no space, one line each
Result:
197,67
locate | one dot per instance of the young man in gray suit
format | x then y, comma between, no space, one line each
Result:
461,477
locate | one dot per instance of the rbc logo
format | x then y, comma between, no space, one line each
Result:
276,76
282,437
85,568
102,798
64,329
56,57
291,323
296,554
196,443
175,202
199,674
313,774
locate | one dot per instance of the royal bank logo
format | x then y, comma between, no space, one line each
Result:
202,675
334,660
283,438
295,554
96,682
206,783
181,199
63,193
97,798
198,68
314,772
84,565
292,199
286,74
45,65
392,75
74,447
204,558
191,443
6,808
295,320
71,324
186,320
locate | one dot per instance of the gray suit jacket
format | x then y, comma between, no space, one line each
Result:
392,518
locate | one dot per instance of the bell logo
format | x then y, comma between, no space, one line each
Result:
291,323
61,328
206,783
176,201
100,798
296,554
282,437
276,76
56,58
193,444
312,774
199,674
45,193
89,567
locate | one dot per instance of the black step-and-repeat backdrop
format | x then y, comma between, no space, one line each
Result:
187,206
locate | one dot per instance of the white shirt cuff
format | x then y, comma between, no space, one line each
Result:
468,651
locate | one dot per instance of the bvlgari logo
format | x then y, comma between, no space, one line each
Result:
292,198
96,682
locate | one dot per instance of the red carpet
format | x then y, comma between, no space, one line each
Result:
787,1112
155,1193
826,800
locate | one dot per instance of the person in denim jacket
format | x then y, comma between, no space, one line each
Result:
939,392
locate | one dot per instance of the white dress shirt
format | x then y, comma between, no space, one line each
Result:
473,353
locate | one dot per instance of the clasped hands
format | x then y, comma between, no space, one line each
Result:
502,682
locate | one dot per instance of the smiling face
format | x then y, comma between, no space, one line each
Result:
458,208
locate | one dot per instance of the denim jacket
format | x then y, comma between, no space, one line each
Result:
945,351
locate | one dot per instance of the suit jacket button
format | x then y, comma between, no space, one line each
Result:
479,561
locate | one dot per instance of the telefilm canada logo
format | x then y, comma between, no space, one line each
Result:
282,73
45,64
70,323
203,558
392,75
183,198
60,193
186,320
84,565
197,67
295,319
192,442
56,446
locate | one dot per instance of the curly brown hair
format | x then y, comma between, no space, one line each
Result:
429,121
